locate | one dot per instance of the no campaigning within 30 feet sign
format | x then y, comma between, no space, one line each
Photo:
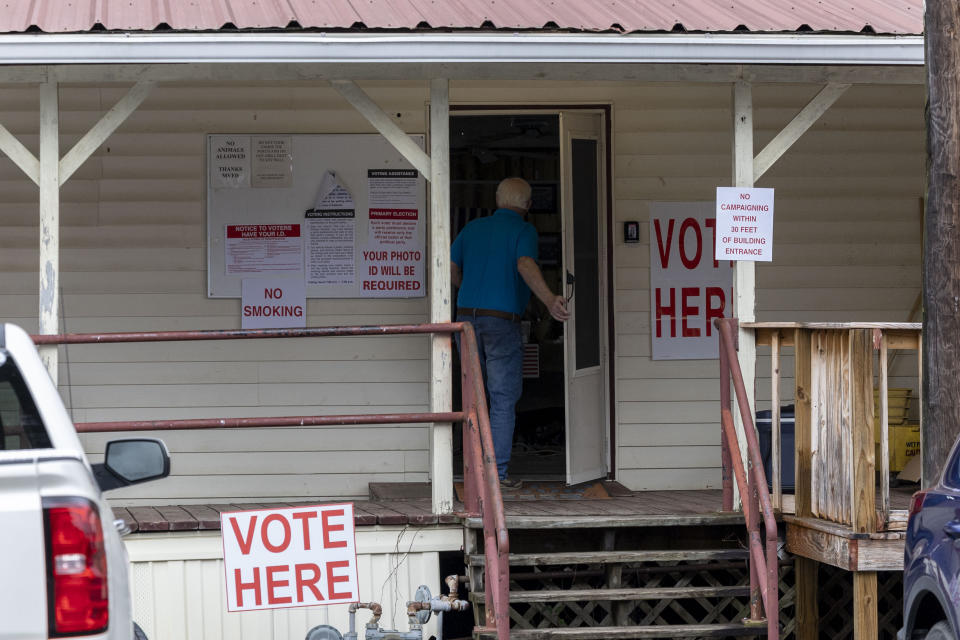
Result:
744,224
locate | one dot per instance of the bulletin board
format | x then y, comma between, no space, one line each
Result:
344,212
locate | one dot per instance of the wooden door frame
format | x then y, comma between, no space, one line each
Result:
607,110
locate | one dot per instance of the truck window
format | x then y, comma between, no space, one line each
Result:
20,424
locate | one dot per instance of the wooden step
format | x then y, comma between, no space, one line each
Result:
614,521
726,630
615,557
650,593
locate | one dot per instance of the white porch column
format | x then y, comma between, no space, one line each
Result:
441,389
744,281
49,220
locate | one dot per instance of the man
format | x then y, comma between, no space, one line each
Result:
493,261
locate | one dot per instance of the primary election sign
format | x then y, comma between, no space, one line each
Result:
744,224
689,287
289,557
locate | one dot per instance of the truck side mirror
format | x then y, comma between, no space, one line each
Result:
131,461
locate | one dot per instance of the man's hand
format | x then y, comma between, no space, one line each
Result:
558,308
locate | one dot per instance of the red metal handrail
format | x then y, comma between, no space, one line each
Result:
482,485
764,568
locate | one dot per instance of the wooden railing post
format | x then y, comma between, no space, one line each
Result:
863,500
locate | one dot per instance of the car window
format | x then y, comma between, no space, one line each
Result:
20,423
951,477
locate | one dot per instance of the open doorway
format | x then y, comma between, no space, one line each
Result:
484,149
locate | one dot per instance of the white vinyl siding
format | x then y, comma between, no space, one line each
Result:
846,247
178,584
133,259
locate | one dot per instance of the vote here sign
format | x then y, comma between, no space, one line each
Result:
289,557
689,287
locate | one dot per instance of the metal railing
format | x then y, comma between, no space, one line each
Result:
752,484
481,483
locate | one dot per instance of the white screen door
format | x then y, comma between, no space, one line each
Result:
584,260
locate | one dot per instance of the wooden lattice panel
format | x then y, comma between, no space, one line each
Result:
835,602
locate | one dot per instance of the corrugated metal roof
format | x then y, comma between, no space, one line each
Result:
851,16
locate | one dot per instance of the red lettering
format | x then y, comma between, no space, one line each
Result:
712,225
304,518
240,587
670,310
663,251
688,310
712,311
327,528
332,580
302,581
690,223
273,584
272,548
244,544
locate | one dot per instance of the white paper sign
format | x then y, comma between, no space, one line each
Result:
392,265
230,164
262,249
273,303
331,235
290,557
744,224
688,286
272,162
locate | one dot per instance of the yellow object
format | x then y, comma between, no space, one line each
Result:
904,444
898,405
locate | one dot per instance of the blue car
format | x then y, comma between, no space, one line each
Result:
931,567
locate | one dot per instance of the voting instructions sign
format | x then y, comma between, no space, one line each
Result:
289,557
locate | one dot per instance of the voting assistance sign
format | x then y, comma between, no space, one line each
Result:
289,557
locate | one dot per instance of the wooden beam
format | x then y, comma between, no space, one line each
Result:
49,220
797,127
807,614
865,623
775,440
744,278
839,549
382,123
441,390
802,426
98,134
577,72
884,462
941,279
863,500
19,154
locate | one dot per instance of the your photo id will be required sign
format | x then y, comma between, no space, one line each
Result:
744,224
289,557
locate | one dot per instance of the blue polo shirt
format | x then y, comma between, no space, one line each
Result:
487,250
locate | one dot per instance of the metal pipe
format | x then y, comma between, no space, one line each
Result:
283,421
725,463
246,334
374,608
757,486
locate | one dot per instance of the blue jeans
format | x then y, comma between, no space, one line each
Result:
500,346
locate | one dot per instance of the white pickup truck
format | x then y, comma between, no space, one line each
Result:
63,566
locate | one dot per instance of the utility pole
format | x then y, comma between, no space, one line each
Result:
941,258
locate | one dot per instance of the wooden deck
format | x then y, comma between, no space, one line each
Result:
640,508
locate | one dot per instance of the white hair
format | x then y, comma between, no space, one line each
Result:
514,193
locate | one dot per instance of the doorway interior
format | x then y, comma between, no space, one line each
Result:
484,149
